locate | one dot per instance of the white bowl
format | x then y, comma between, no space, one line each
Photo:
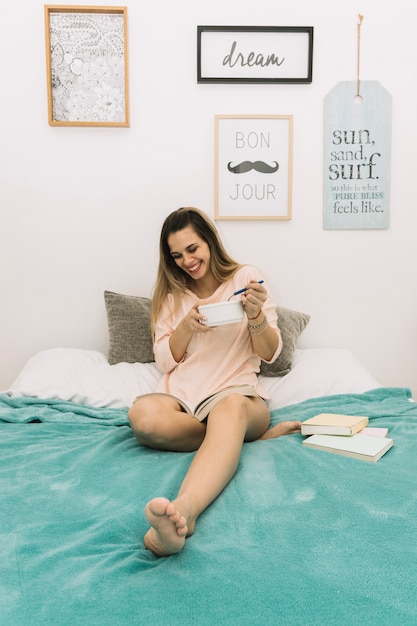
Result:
222,313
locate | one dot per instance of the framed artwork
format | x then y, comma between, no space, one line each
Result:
254,54
87,65
253,167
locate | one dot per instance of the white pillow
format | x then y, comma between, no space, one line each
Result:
85,377
318,372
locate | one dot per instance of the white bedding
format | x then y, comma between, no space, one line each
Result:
85,377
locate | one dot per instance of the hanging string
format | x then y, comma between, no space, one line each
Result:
358,82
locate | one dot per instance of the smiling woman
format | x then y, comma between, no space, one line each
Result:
204,363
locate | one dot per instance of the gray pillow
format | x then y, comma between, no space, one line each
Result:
130,338
291,324
129,322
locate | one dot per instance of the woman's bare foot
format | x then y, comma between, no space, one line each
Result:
168,527
283,428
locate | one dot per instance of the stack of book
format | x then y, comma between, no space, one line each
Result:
348,435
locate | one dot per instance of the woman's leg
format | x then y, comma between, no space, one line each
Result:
280,429
158,422
232,421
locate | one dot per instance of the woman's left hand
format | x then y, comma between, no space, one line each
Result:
253,299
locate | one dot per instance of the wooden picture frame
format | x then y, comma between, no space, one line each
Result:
87,65
255,54
253,167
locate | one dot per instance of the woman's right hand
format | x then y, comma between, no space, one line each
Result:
181,337
193,321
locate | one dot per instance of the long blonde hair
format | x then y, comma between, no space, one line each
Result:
171,279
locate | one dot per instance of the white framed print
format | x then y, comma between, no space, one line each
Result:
253,167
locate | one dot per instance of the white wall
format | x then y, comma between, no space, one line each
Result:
81,208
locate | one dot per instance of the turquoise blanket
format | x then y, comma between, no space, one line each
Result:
299,537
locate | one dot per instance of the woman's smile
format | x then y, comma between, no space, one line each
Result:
194,269
189,252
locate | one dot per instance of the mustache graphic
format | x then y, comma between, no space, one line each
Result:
247,166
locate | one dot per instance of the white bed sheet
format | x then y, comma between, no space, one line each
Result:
318,372
85,377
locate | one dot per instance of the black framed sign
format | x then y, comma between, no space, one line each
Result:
255,54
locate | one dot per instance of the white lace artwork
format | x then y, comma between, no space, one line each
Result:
87,60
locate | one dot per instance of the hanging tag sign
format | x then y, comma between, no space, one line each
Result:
357,156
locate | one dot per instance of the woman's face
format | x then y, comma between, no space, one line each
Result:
190,253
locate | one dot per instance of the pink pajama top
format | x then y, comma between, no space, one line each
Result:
214,360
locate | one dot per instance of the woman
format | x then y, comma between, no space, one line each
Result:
197,361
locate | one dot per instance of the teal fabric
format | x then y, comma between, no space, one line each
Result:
299,537
26,409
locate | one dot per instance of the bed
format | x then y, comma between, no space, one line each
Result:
300,536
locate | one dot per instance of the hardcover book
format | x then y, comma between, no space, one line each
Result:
333,424
363,447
